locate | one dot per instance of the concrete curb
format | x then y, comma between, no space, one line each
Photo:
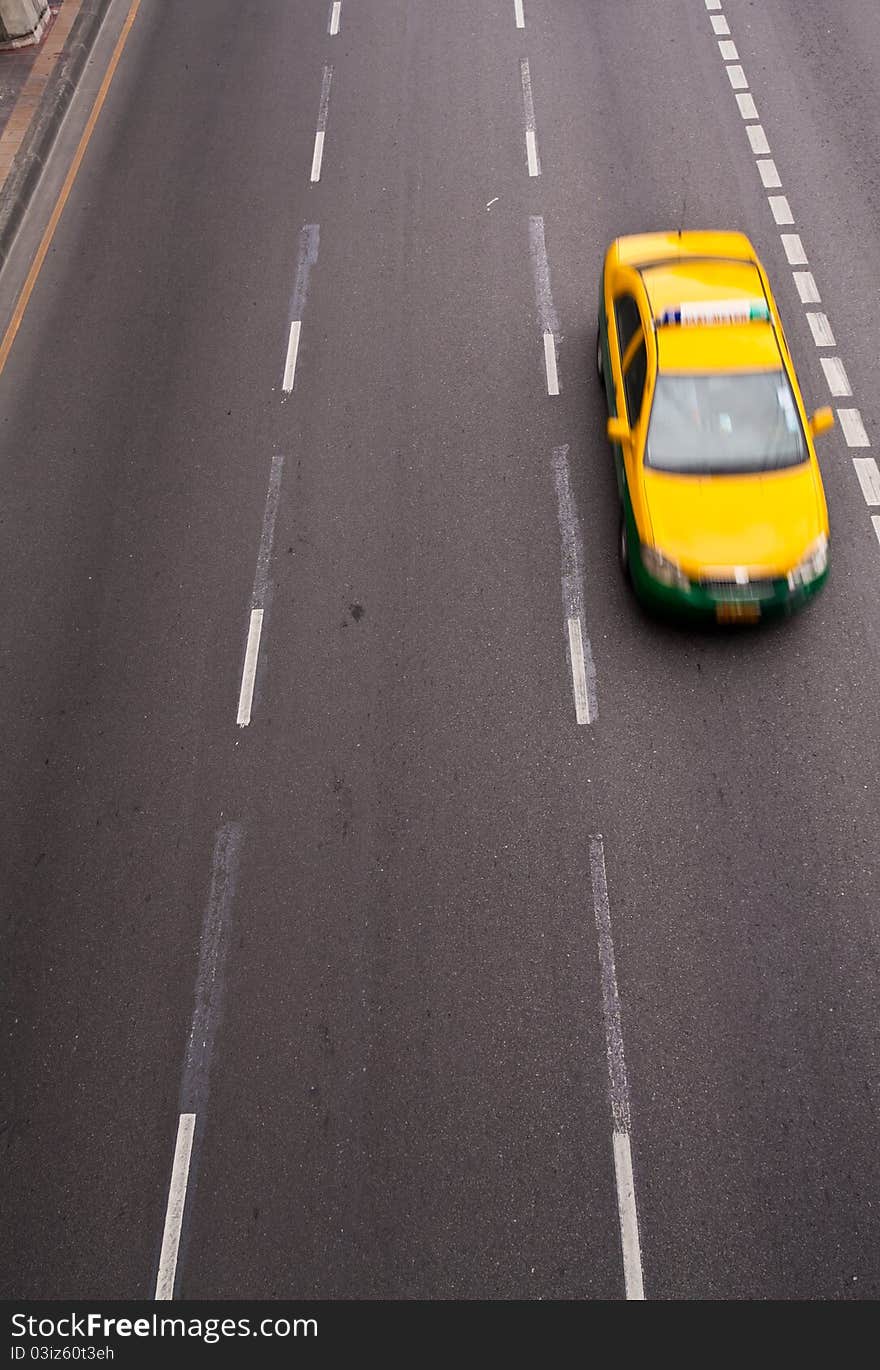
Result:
30,159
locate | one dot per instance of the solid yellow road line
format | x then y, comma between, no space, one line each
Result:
36,266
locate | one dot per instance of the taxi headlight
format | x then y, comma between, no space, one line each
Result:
811,566
663,569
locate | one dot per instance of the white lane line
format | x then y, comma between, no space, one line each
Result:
249,674
176,1204
531,135
806,287
620,1109
578,671
334,17
713,4
728,50
747,107
853,428
875,519
781,209
757,139
820,329
628,1217
835,375
544,299
737,77
869,478
794,249
770,177
292,353
532,153
583,672
720,25
550,364
323,110
518,14
317,157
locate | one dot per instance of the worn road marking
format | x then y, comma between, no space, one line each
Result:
583,672
200,1043
737,77
720,25
747,107
544,299
620,1107
531,134
728,50
875,519
318,154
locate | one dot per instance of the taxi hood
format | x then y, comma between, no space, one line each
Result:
763,522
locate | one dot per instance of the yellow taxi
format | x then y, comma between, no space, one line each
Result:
723,513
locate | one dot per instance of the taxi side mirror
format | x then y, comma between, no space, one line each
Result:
822,420
618,430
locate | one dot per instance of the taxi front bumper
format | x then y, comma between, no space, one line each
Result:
721,601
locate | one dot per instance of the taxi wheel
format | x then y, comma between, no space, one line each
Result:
600,365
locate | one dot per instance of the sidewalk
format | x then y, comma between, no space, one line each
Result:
36,84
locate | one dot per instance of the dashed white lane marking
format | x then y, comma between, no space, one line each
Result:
176,1204
518,14
544,299
532,153
323,110
578,671
720,25
747,107
875,519
620,1109
550,364
713,4
820,329
737,77
317,157
853,428
869,479
770,177
806,287
249,674
335,11
200,1043
292,352
757,139
794,249
835,375
728,50
260,593
583,672
531,135
780,209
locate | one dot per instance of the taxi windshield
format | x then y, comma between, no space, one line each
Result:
724,423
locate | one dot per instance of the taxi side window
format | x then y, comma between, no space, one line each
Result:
626,317
634,382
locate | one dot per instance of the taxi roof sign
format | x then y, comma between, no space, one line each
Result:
716,312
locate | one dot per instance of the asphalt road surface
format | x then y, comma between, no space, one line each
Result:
308,985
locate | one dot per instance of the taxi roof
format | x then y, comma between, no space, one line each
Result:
717,346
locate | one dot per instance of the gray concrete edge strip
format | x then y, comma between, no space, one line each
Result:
27,167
